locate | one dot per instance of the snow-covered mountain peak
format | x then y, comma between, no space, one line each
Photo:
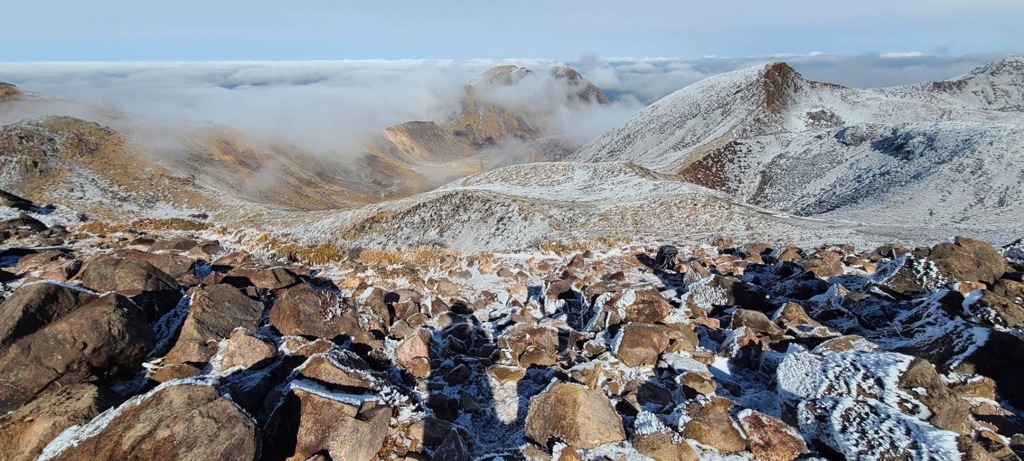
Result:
935,153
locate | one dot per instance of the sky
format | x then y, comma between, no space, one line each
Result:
190,30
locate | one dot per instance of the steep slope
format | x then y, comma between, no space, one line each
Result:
935,153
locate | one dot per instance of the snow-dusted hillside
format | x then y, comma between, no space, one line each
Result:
933,153
527,205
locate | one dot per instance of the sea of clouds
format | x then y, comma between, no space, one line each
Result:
333,106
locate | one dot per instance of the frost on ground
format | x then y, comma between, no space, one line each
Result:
742,351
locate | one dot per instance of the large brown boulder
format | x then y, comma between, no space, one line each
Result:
174,265
824,264
619,302
581,417
214,312
105,337
904,276
345,431
999,310
244,350
647,306
152,289
968,260
303,311
174,244
949,412
530,345
180,422
641,344
307,422
999,358
771,439
413,353
756,322
663,446
721,291
35,305
274,278
709,421
25,431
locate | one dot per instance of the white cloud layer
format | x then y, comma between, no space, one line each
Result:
332,106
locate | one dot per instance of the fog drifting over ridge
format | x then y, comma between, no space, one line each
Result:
332,106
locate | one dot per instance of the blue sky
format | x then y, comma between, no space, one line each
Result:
121,30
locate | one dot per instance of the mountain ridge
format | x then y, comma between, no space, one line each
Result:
775,140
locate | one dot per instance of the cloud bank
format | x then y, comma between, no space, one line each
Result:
333,106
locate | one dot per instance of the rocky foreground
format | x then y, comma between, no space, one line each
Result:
174,345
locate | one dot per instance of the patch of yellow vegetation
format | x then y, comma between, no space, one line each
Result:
143,225
579,246
283,250
422,256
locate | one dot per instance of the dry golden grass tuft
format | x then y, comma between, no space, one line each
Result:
422,256
149,225
577,246
318,255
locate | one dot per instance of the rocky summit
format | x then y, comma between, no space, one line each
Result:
131,344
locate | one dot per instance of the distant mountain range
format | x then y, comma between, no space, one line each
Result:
761,153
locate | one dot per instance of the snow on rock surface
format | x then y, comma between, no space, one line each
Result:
507,371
